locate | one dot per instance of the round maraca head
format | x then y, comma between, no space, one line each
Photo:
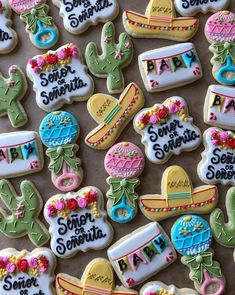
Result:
191,235
59,128
124,160
20,6
220,27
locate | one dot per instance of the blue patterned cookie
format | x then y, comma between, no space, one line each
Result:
59,128
191,235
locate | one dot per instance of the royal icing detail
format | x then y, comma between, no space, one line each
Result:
124,162
223,231
97,279
178,196
159,288
24,273
20,154
141,254
113,59
8,37
25,210
219,107
219,31
77,222
169,67
59,78
12,90
192,7
160,21
79,15
192,237
217,164
166,129
41,28
59,132
112,115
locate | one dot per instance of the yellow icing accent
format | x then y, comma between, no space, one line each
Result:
187,218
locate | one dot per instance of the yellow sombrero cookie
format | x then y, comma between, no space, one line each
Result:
112,115
160,21
97,279
178,197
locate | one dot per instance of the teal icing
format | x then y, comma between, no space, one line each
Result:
122,206
52,32
227,68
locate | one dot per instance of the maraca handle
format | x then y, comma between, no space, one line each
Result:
227,68
122,206
59,182
208,280
45,31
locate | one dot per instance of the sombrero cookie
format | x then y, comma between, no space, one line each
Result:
112,115
178,196
97,279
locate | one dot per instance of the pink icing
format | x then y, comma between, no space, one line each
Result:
20,6
220,27
118,164
212,281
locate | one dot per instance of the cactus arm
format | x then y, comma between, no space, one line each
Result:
24,218
95,63
12,91
124,40
223,232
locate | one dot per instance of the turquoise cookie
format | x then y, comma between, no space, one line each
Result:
191,235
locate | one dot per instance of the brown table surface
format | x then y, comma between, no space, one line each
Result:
92,160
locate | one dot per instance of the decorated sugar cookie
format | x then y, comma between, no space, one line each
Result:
25,210
27,273
77,222
158,288
192,237
178,196
20,154
112,115
113,59
41,28
160,21
192,7
124,162
141,254
12,90
59,77
223,231
167,129
8,37
169,67
219,31
79,15
59,132
97,278
217,164
219,107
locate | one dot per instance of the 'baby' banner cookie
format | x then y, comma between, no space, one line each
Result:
166,129
141,254
59,77
219,107
178,196
77,222
97,279
20,154
169,67
217,164
27,273
79,15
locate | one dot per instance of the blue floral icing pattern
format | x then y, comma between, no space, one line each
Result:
191,235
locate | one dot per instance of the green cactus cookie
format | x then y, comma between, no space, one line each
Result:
114,58
12,90
224,233
25,211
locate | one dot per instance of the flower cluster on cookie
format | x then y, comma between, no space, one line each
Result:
64,207
223,139
20,264
162,291
51,61
160,114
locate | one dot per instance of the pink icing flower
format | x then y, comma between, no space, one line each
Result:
173,108
153,119
43,269
51,210
62,54
74,51
41,61
33,262
10,267
60,205
36,70
213,132
82,202
223,135
214,142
